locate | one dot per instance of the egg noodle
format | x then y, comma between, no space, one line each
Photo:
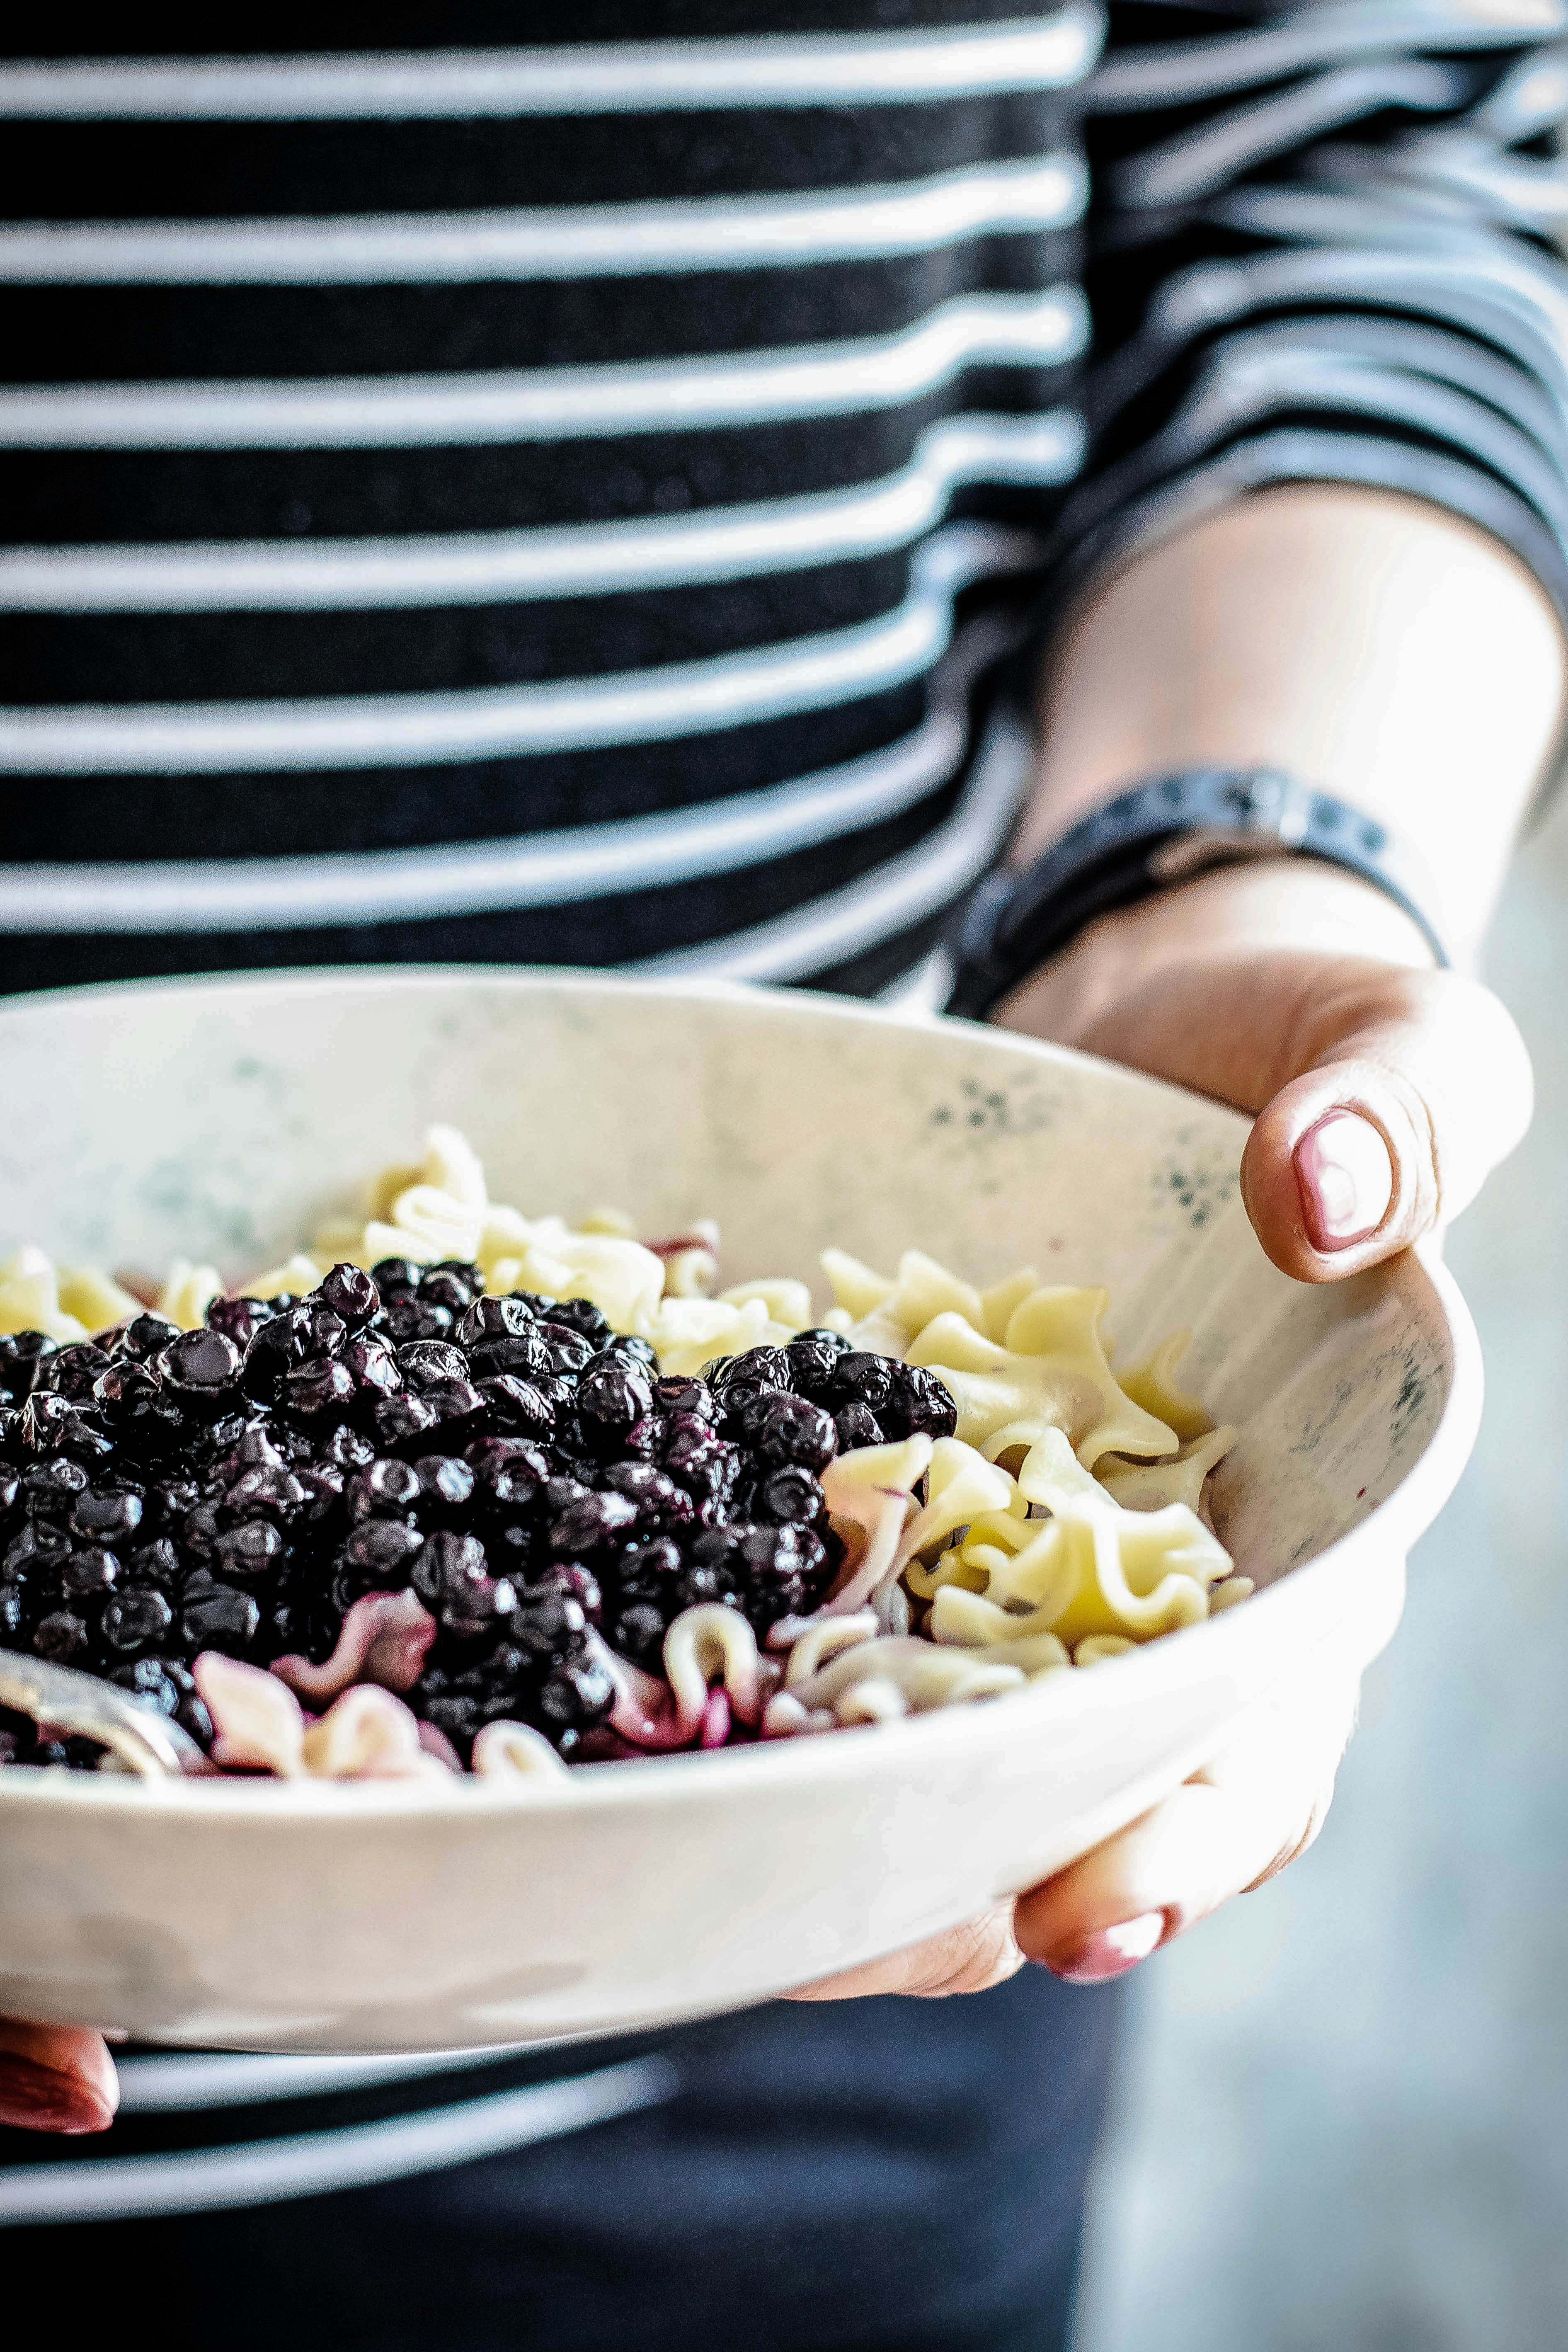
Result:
1063,1523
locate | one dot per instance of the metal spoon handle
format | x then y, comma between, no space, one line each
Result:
144,1740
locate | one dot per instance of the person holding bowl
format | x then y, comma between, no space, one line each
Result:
608,492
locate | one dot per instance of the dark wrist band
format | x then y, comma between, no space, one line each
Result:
1154,838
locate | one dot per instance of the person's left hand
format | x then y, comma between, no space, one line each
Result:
1385,1093
1253,1808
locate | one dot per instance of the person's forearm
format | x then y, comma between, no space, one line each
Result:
1368,644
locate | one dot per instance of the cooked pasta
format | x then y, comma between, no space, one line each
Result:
1063,1521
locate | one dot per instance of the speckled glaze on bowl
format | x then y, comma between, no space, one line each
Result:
217,1119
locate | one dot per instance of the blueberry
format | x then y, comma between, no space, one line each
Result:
790,1498
451,1576
855,1425
279,1346
704,1583
199,1370
105,1519
517,1408
21,1355
697,1459
587,1521
576,1699
144,1337
639,1633
37,1547
446,1481
61,1637
253,1549
510,1471
659,1502
582,1585
71,1372
649,1571
155,1563
165,1685
454,1284
404,1419
678,1392
769,1551
344,1449
633,1350
50,1425
495,1319
536,1302
395,1278
548,1622
256,1450
50,1489
352,1295
318,1388
524,1354
814,1357
458,1407
373,1367
612,1395
423,1362
569,1350
759,1371
239,1320
220,1617
789,1431
923,1402
581,1315
137,1619
860,1378
266,1486
381,1550
89,1574
406,1319
387,1489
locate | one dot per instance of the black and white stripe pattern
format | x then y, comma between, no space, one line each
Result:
203,2133
563,502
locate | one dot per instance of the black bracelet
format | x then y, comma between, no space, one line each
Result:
1153,838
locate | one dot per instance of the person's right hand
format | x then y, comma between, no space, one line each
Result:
55,2078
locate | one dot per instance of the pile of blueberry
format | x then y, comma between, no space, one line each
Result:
527,1472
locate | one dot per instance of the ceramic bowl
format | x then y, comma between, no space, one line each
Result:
219,1119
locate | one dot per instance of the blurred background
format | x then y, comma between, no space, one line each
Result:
1343,2119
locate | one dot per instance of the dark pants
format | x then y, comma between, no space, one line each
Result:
885,2176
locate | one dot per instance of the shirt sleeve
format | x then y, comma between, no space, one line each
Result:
1324,247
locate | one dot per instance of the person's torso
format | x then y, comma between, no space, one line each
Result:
549,502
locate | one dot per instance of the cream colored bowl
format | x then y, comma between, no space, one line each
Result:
217,1120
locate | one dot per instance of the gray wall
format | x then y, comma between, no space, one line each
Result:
1345,2116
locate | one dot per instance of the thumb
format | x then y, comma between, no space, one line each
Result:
1385,1095
1400,1092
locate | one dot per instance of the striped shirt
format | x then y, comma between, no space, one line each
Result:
590,499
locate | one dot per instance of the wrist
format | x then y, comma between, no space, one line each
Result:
1292,903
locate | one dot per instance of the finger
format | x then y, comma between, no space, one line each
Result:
1391,1129
1232,1827
969,1959
1385,1095
55,2078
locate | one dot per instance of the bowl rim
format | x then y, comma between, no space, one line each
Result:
1143,1674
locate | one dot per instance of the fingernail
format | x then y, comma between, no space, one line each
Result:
1346,1178
40,2098
1112,1951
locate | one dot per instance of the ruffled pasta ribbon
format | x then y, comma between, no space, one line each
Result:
367,1734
